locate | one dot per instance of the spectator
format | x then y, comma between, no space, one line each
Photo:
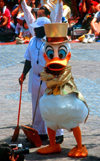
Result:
89,14
6,32
95,23
5,12
19,24
86,9
17,9
24,35
94,26
66,12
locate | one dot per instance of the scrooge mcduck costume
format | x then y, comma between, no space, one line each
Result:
62,105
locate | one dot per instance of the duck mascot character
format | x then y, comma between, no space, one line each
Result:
62,105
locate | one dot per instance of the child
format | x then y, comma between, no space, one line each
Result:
6,32
24,35
19,25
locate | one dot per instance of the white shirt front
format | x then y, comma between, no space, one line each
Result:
34,53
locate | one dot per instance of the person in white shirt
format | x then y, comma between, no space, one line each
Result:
35,62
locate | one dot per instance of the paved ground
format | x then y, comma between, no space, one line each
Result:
85,63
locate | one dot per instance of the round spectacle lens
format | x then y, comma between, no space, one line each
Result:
50,53
62,53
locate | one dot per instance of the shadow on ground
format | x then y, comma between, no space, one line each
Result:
33,155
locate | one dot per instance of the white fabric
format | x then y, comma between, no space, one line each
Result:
4,8
31,54
56,11
34,81
65,112
20,16
18,28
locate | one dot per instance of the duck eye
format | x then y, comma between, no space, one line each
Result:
50,53
62,53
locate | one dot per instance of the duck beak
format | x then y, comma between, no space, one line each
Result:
57,64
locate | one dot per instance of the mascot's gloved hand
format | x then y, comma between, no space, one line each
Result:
21,79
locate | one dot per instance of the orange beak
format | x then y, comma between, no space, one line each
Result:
57,64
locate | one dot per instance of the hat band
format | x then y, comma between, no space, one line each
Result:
56,39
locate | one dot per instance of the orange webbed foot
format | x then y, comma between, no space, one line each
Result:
78,152
50,149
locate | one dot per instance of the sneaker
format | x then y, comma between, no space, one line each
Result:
19,41
86,38
17,38
91,38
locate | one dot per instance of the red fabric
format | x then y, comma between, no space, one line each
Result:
56,39
89,6
95,3
7,14
8,43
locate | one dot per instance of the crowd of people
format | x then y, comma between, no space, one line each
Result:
90,20
14,26
12,22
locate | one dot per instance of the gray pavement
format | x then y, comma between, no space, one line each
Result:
85,63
